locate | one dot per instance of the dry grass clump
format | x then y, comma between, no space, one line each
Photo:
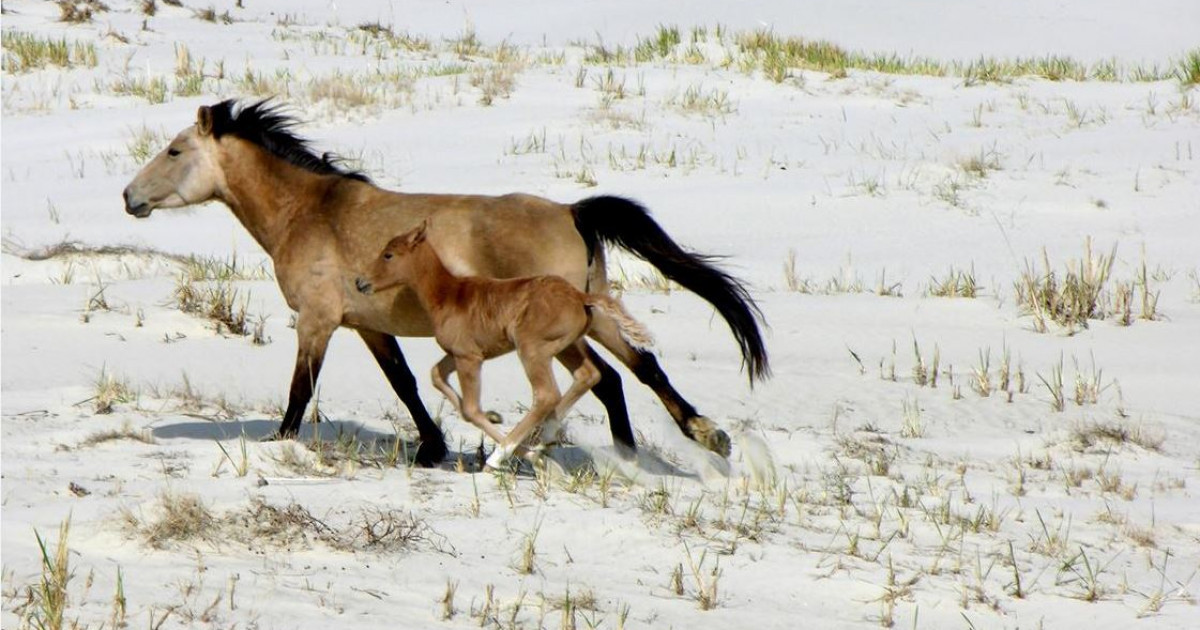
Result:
182,517
776,56
659,46
126,432
212,268
109,391
399,41
1082,294
45,606
697,100
210,15
1092,435
495,81
25,52
1070,301
79,11
177,517
1187,69
218,301
957,283
153,89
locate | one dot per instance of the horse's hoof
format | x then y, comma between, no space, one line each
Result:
278,437
494,417
709,436
431,453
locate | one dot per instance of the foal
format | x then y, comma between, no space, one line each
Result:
476,318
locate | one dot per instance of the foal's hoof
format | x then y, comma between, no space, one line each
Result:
496,460
494,417
703,430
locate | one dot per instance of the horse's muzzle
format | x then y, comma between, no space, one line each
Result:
363,286
139,209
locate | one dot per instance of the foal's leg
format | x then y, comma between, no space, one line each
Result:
537,363
468,377
575,358
432,448
610,393
645,367
312,333
440,375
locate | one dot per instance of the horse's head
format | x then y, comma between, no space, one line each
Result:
184,173
393,267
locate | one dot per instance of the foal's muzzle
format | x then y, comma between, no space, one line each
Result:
363,286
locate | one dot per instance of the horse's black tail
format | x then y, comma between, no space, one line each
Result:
625,223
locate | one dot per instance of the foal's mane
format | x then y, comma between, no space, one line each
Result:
264,124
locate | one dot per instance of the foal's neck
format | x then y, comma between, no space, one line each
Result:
432,282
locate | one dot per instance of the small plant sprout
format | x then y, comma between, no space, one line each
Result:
911,425
110,390
1054,385
676,582
706,586
241,466
447,601
527,562
50,595
982,373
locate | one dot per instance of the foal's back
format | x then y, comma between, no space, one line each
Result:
498,315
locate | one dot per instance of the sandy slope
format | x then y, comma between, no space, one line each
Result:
856,496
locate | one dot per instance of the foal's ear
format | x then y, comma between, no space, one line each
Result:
204,120
418,235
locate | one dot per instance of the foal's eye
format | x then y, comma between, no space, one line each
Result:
172,152
387,256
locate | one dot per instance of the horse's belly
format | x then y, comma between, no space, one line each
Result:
398,317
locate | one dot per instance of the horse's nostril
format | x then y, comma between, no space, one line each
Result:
363,286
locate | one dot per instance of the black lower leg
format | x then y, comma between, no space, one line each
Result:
301,392
647,371
612,396
391,360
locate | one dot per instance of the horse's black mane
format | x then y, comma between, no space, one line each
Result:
265,125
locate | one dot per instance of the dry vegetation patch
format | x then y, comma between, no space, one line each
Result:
184,518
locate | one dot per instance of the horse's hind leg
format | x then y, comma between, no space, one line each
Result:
432,448
645,367
612,395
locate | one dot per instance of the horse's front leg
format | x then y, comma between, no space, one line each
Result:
313,331
432,448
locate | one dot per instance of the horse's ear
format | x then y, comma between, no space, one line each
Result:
204,120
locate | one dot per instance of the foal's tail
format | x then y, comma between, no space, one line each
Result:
625,223
633,331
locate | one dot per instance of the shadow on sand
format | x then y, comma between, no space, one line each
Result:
569,459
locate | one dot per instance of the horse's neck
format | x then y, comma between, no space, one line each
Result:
433,283
268,195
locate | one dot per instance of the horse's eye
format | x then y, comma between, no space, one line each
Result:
387,256
172,152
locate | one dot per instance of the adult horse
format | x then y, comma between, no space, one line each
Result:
323,224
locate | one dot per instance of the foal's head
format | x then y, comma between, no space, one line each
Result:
394,265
